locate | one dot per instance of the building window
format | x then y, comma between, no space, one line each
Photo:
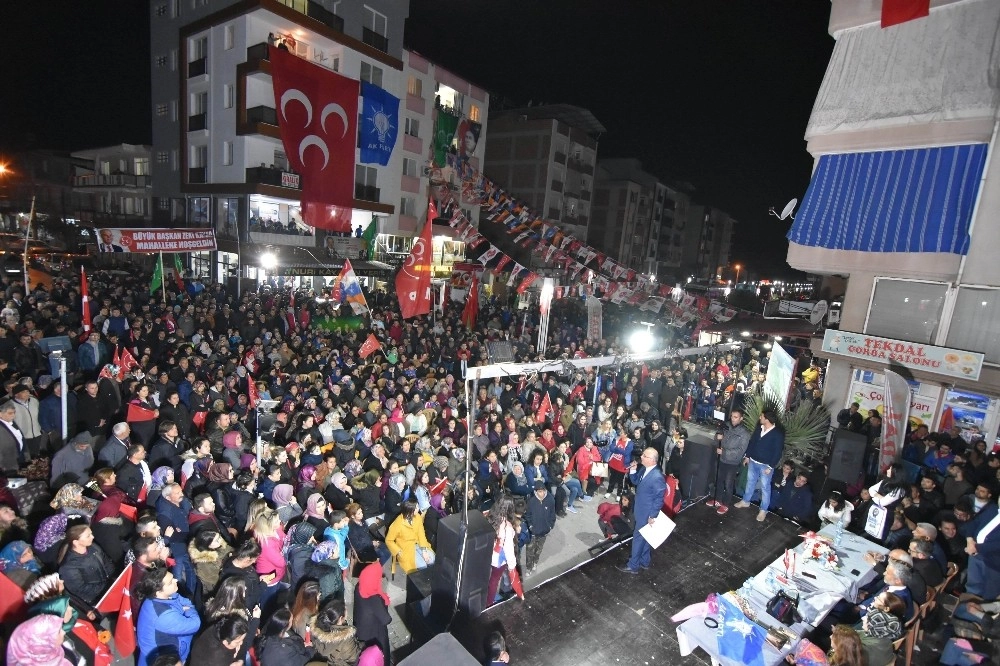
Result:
408,207
162,10
906,309
161,61
366,176
162,157
376,21
474,113
173,110
175,8
412,127
161,109
175,162
199,156
140,166
199,103
173,60
414,86
975,323
371,74
229,37
163,203
409,167
229,96
227,153
198,49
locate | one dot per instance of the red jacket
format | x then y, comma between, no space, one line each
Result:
582,460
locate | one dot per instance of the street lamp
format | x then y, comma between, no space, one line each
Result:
738,267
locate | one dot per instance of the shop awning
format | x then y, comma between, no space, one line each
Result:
918,200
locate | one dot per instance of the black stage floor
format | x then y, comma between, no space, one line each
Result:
596,614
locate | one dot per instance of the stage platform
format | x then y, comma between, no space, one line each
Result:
596,614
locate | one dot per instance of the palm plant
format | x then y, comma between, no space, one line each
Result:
805,427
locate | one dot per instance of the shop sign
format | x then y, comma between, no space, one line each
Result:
912,355
289,179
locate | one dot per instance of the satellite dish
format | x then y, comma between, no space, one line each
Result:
818,312
787,211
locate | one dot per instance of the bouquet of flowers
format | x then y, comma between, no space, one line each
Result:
820,549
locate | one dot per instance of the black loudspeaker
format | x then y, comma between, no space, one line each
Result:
848,456
697,467
442,649
476,567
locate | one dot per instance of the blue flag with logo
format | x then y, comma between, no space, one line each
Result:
379,124
740,639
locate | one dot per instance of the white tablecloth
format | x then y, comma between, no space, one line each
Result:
817,596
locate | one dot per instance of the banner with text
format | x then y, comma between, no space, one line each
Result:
151,241
912,355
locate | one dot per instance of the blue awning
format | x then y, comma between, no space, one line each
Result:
918,200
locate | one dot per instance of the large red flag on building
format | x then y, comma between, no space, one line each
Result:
895,12
413,282
118,600
317,112
369,346
471,310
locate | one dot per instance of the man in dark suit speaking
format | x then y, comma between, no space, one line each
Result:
106,244
649,488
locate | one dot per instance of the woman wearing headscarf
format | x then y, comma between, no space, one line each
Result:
49,538
315,512
365,491
18,563
232,448
285,503
162,476
517,482
70,501
306,483
371,609
339,492
394,497
38,642
143,432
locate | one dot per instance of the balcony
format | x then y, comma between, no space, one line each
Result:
257,52
366,192
560,158
585,196
197,67
273,176
554,214
197,122
262,114
111,180
197,175
324,16
373,39
557,186
582,167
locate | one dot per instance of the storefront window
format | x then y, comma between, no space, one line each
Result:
906,310
975,324
201,266
228,265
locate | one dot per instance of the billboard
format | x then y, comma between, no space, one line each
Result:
151,241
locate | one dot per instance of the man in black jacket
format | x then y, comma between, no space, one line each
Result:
541,518
130,473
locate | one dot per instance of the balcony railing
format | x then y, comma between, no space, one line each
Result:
257,52
273,176
197,175
366,192
372,38
262,114
197,67
197,122
111,180
324,16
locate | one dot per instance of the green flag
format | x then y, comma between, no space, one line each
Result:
157,282
446,126
369,238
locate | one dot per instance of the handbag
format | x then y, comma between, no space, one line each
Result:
784,608
599,469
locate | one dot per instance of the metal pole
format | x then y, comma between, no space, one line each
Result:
260,441
64,385
163,279
27,237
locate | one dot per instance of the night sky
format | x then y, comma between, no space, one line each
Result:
714,93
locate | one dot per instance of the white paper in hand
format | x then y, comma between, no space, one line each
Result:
658,532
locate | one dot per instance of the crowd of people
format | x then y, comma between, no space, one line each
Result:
280,552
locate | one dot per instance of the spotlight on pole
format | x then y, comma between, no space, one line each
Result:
641,341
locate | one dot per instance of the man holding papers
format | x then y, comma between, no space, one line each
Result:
649,488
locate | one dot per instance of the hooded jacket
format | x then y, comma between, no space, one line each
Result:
339,646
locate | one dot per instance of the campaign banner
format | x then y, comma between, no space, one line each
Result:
913,355
595,316
151,241
871,396
462,274
895,412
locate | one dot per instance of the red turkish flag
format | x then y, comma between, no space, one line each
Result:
369,346
413,282
317,112
127,361
118,600
895,12
253,395
471,310
545,407
139,414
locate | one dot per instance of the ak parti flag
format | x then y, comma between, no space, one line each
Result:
895,12
317,111
413,282
369,346
119,600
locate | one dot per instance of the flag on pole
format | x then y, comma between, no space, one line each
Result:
253,395
369,346
85,304
471,310
371,231
895,12
118,599
348,288
413,282
126,361
545,407
156,284
179,273
445,134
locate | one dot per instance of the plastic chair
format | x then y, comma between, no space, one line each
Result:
909,639
926,608
949,575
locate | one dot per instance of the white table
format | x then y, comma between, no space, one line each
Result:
819,592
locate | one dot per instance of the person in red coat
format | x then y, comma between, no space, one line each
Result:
582,461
